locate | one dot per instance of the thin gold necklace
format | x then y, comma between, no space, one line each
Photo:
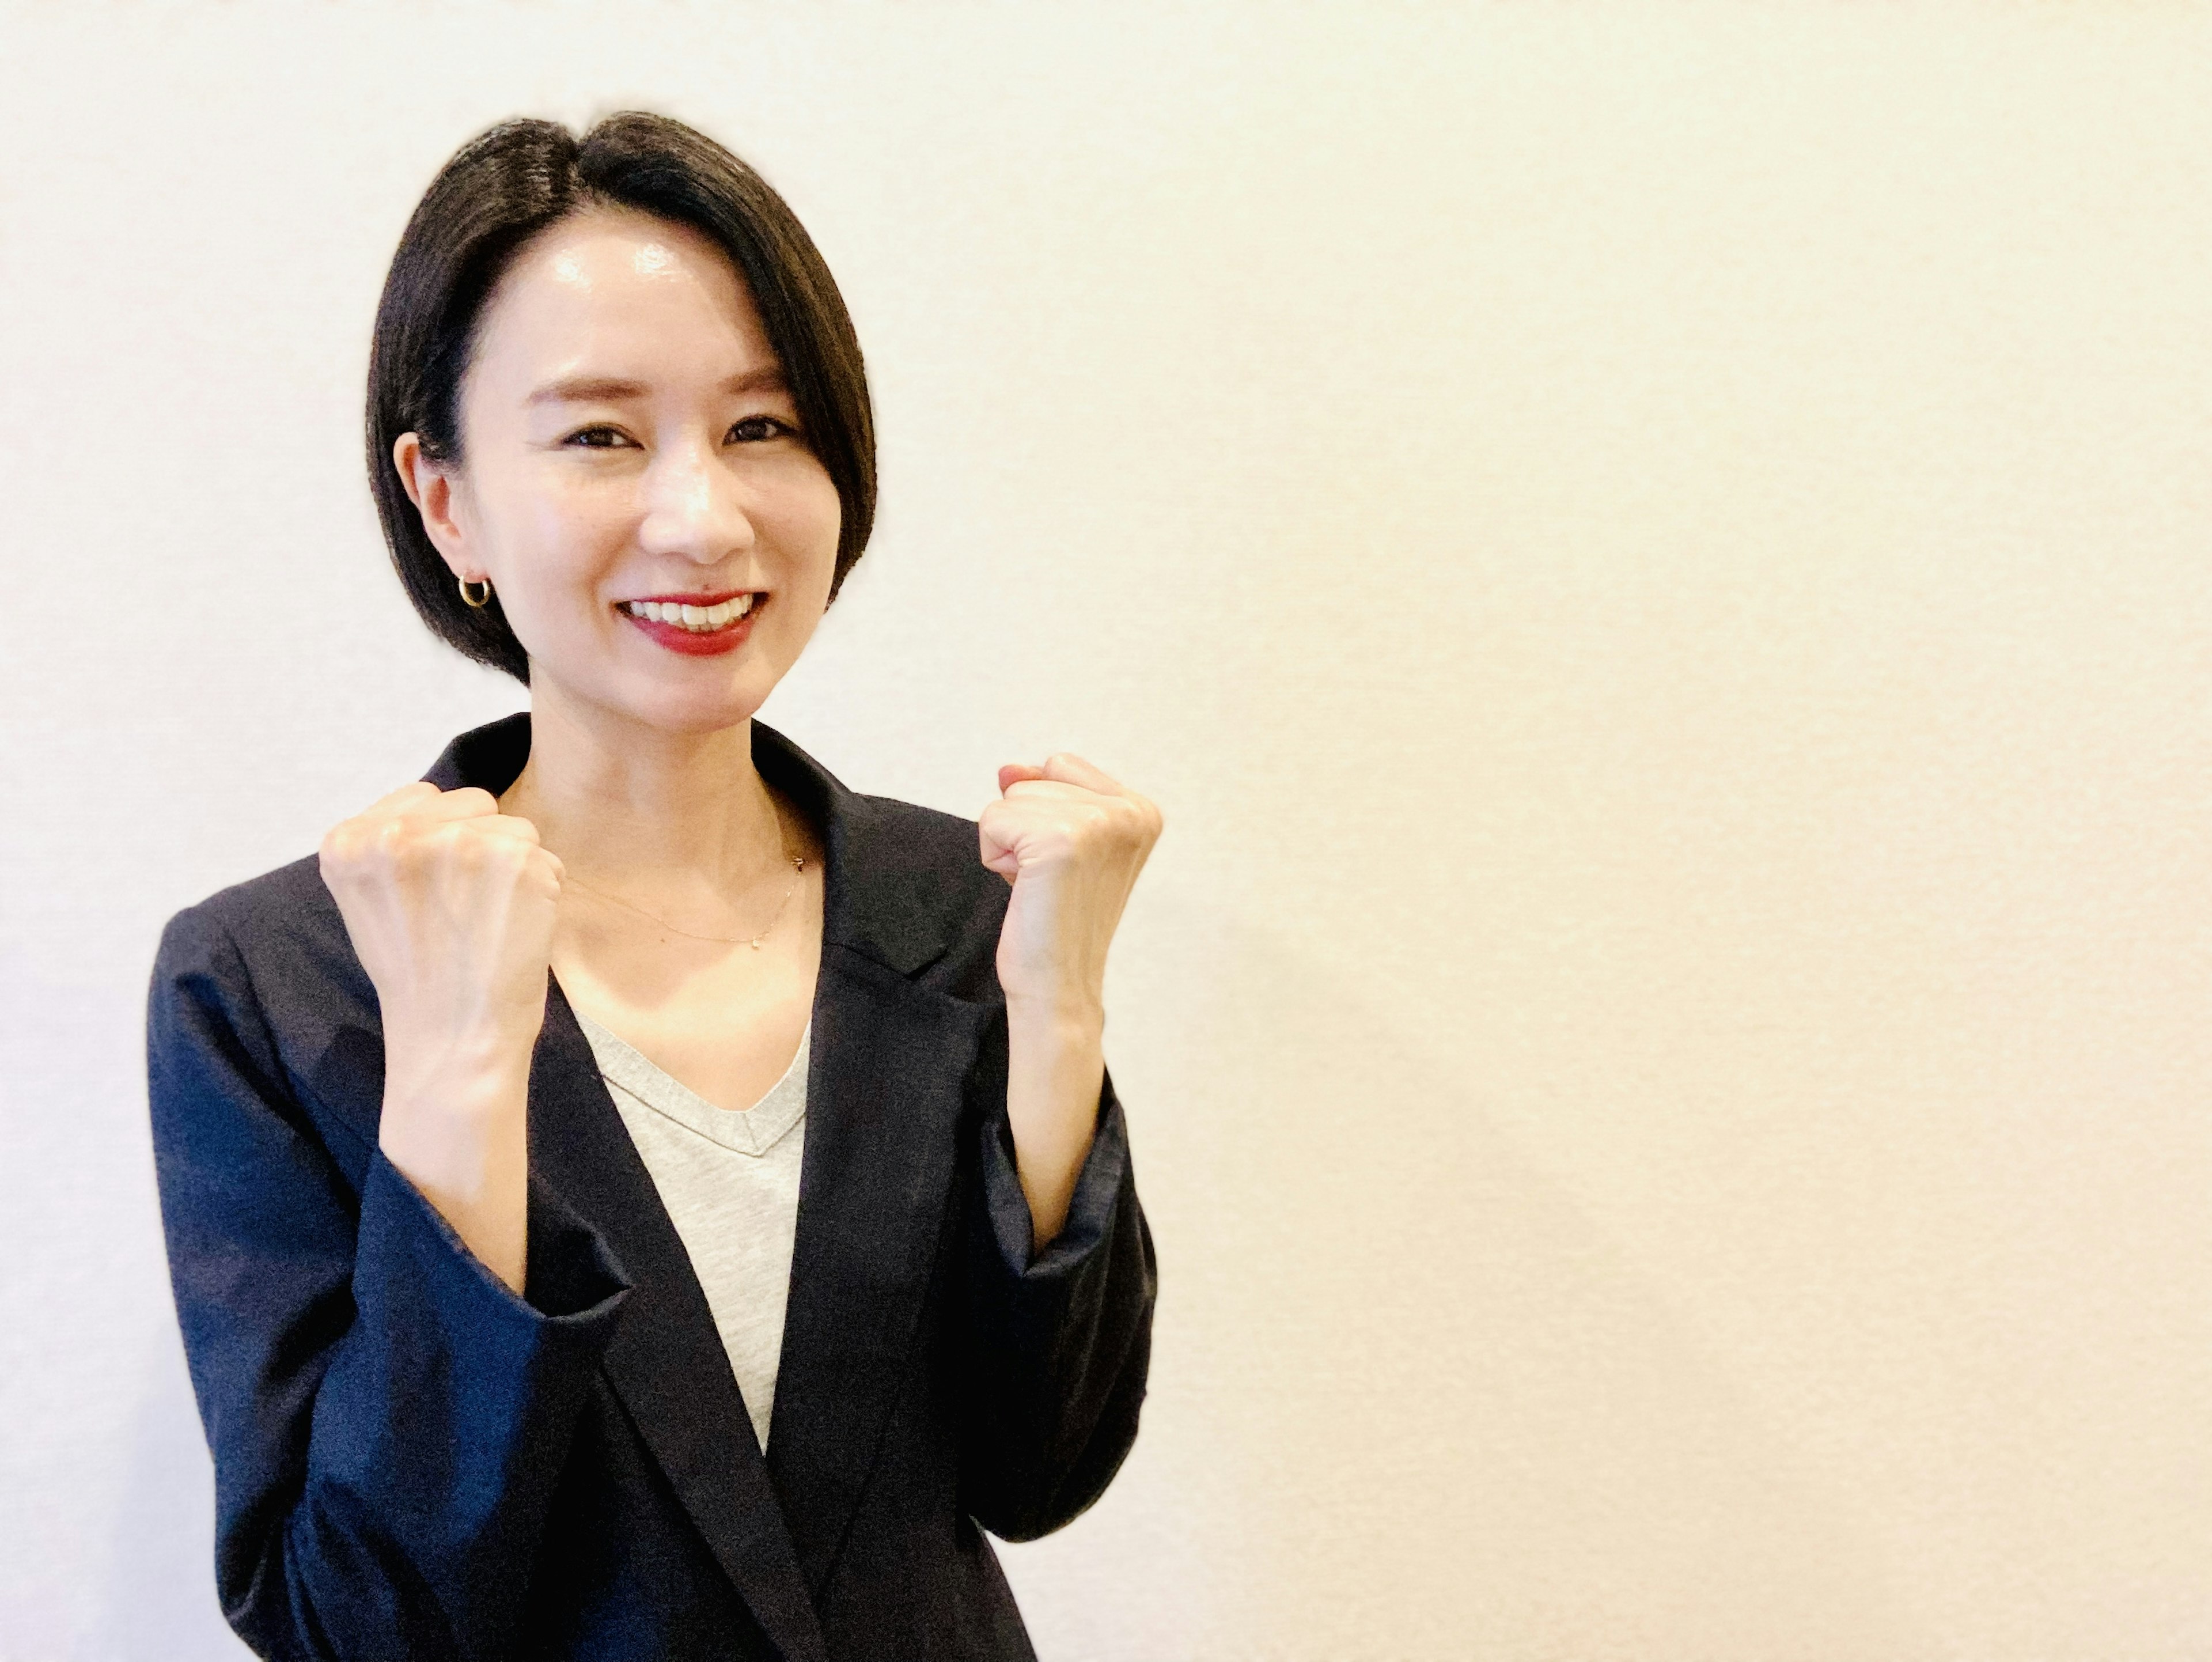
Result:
798,864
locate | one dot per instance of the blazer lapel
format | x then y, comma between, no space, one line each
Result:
666,1360
883,1098
884,1094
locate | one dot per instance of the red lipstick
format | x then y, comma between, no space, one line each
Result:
680,637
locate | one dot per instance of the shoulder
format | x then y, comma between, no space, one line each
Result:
920,891
287,915
930,839
269,961
274,901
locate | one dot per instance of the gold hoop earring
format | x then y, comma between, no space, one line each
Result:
468,599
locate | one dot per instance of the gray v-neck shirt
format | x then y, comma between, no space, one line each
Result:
729,1179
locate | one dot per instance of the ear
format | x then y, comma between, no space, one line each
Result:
432,487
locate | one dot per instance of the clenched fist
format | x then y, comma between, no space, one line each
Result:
1072,840
451,906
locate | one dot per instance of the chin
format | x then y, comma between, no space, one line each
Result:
686,701
694,708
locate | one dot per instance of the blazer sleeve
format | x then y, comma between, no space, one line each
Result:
1059,1345
387,1418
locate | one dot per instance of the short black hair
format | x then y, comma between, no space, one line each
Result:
498,192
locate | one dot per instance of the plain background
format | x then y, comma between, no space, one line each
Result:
1655,555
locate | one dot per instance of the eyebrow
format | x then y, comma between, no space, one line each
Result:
612,389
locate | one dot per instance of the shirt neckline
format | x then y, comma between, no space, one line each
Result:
751,1130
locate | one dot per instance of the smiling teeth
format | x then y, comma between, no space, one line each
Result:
699,618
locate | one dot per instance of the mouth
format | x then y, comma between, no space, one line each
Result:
698,614
696,624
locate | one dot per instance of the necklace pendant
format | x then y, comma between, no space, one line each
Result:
756,943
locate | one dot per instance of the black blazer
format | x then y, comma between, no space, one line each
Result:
413,1462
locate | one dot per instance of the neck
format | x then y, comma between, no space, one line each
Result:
644,808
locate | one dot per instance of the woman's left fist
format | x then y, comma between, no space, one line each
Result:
1071,841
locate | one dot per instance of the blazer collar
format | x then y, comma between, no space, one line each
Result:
886,1087
875,885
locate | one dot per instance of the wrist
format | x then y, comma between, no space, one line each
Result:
460,1068
451,1113
1060,1018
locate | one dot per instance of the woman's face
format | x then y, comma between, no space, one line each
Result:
629,447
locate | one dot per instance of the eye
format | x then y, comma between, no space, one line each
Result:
597,438
755,429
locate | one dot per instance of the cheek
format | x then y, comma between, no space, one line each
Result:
563,527
816,518
808,518
555,542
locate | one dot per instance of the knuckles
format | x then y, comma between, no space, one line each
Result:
392,847
1099,827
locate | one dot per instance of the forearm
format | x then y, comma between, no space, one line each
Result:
460,1133
1055,1064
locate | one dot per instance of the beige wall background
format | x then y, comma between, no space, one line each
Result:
1656,557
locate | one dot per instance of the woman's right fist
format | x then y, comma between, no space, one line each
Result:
451,905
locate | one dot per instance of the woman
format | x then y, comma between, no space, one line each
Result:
629,1194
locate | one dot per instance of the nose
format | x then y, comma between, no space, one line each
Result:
694,506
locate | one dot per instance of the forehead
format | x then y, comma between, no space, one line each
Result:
618,292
